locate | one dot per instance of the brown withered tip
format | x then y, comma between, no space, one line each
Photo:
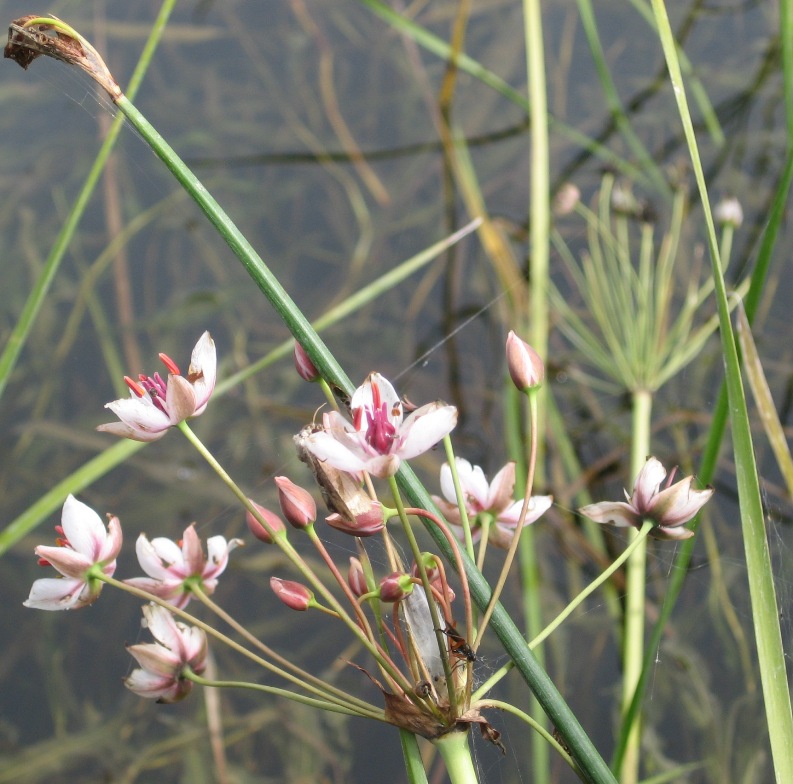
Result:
16,49
57,40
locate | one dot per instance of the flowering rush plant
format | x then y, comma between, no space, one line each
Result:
415,622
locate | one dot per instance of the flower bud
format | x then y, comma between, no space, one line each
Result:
566,199
294,595
395,587
297,504
365,524
274,522
356,578
525,366
729,211
304,366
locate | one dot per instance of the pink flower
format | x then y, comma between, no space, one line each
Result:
175,569
176,648
378,438
155,404
494,499
84,547
668,509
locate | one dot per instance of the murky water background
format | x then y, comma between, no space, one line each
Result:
236,89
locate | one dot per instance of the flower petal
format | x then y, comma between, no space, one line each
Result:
326,447
424,428
678,504
647,484
202,372
615,512
140,419
500,492
54,593
83,528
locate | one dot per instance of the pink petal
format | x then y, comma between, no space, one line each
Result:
382,466
647,484
424,428
156,659
325,446
53,593
202,372
180,401
218,555
161,558
67,562
614,512
364,396
501,489
679,503
538,506
677,534
83,528
192,551
143,420
111,547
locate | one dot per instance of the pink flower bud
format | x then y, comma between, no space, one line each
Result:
395,587
525,366
356,578
304,366
294,595
298,506
365,524
274,522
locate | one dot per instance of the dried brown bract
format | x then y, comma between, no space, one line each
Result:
31,36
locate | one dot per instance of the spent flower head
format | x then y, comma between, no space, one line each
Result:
84,546
669,508
379,438
157,404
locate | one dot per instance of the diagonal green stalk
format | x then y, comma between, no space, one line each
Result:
762,592
18,336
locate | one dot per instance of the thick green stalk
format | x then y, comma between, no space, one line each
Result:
540,223
633,638
456,754
760,575
18,336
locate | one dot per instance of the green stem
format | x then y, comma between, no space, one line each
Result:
360,708
635,579
189,675
639,540
765,614
453,748
536,726
295,558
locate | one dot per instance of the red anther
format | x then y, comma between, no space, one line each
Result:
173,368
134,386
357,417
